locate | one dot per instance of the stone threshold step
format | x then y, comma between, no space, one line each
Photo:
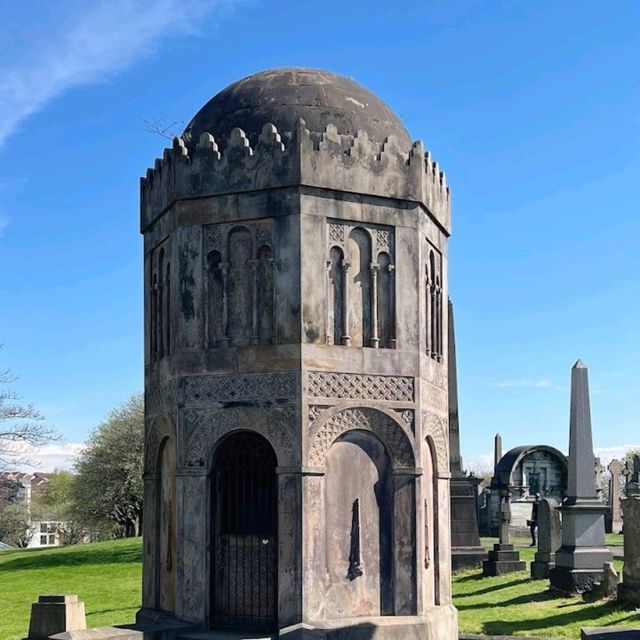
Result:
221,635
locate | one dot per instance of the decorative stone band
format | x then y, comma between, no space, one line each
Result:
356,386
327,160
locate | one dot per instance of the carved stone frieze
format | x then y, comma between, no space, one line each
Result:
434,398
357,386
385,427
408,415
437,429
315,411
205,390
204,427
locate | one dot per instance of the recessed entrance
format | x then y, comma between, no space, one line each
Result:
244,512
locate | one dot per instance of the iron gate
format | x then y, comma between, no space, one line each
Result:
245,549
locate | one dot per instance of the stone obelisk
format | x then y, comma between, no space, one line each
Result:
466,549
580,559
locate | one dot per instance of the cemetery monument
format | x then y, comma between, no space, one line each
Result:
297,445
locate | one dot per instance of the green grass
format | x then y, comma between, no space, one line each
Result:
105,575
514,604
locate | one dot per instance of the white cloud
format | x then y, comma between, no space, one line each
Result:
91,43
480,464
607,454
525,382
53,456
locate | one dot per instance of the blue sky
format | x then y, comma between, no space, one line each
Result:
531,108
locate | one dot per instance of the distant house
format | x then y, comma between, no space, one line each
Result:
20,487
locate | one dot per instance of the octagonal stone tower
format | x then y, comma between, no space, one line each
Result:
297,464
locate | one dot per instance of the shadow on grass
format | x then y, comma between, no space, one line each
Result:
527,598
492,588
116,610
593,613
77,555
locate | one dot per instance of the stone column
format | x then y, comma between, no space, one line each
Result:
253,265
346,338
375,339
224,271
580,559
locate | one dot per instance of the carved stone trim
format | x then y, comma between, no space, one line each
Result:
315,411
360,386
160,398
408,415
437,429
383,425
205,390
156,431
204,428
434,398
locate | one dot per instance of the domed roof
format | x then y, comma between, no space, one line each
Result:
281,96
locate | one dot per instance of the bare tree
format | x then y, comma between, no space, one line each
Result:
160,126
21,428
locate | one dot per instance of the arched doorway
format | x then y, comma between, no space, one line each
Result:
244,528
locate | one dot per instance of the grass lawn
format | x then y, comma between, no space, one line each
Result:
514,604
105,575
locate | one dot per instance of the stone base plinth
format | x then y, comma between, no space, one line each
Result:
467,558
629,593
440,623
572,581
55,614
503,558
540,570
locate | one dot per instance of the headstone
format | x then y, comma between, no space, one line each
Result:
503,558
609,633
615,471
467,551
55,614
580,559
629,589
632,472
599,471
549,538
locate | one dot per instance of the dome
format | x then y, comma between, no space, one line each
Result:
281,96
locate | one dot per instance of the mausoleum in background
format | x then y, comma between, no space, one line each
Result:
297,460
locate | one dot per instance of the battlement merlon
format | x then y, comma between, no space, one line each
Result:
329,160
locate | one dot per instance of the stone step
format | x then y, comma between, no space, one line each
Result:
222,635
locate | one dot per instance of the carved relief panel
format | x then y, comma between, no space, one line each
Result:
239,265
360,285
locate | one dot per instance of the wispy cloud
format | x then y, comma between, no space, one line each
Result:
525,382
87,43
53,456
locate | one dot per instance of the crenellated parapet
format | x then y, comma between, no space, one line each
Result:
327,160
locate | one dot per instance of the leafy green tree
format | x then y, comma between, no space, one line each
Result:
15,525
108,485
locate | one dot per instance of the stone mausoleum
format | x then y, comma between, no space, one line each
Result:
297,463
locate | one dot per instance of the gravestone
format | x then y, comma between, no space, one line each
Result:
615,471
466,549
632,473
56,614
629,589
503,558
549,538
580,559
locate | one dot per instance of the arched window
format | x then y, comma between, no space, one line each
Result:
384,301
240,325
264,295
153,317
167,309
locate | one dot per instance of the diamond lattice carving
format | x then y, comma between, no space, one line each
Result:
360,386
259,386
